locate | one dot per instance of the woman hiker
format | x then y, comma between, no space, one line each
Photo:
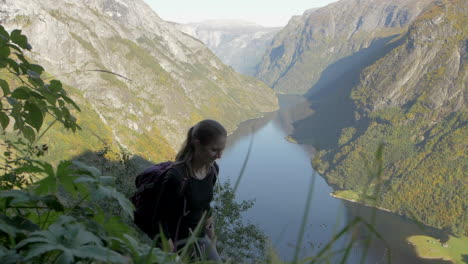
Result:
189,189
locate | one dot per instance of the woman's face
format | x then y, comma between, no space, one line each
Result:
210,152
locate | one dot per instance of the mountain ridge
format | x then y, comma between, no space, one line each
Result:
143,77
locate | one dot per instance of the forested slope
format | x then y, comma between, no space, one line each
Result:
413,100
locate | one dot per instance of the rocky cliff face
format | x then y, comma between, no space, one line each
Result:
413,101
146,79
238,44
302,50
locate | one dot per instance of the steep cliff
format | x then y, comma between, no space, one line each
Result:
310,43
413,100
238,44
145,79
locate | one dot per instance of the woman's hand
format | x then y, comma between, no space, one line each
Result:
209,229
170,245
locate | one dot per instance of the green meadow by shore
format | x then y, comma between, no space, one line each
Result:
454,250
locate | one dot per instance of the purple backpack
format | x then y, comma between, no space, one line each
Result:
146,199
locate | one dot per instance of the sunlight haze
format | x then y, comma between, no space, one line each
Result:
263,12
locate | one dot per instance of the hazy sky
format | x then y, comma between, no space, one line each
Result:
262,12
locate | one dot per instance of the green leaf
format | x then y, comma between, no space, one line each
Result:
4,51
19,198
13,64
39,249
36,68
22,59
53,203
29,133
21,92
34,115
66,177
5,87
4,120
57,112
15,225
49,183
3,63
12,101
126,205
46,185
4,36
88,170
13,46
55,86
20,39
70,101
99,253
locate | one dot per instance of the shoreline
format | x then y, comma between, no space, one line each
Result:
422,248
365,204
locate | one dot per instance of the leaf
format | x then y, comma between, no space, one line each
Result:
70,101
20,39
22,59
99,253
92,171
21,92
12,101
113,225
9,256
39,249
46,185
13,64
52,202
34,75
34,115
29,133
37,68
19,198
65,258
13,46
5,87
4,36
56,111
4,51
55,86
126,205
66,177
4,120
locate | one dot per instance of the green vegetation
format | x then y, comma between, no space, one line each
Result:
454,249
291,139
425,154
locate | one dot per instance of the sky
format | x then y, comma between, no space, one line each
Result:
270,13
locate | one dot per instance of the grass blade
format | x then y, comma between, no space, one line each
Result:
304,218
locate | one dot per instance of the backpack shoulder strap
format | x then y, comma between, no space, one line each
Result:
181,169
216,173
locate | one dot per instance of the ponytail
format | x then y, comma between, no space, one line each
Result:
186,152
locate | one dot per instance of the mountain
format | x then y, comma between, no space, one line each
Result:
146,80
303,49
238,44
412,102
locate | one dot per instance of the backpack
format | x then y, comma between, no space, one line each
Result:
149,185
146,198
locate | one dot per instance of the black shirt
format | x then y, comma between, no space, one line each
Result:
184,200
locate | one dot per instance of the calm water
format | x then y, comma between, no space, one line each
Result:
278,176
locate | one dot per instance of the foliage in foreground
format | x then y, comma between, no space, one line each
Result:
70,212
